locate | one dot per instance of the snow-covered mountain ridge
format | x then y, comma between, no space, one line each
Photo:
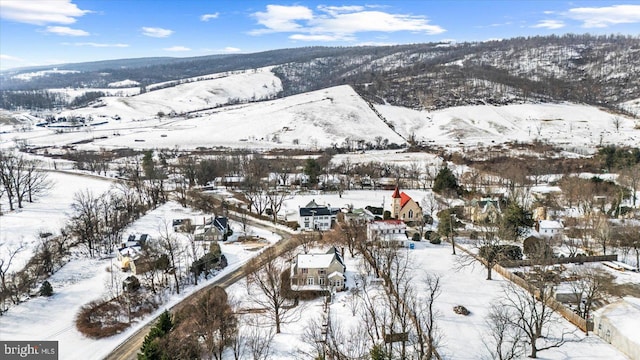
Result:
594,70
222,111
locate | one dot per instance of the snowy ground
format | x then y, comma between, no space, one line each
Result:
318,119
48,214
83,280
462,336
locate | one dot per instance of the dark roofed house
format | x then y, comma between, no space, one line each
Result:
316,217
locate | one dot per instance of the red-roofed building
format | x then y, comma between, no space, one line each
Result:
403,207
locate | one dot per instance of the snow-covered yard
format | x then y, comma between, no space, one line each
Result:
462,336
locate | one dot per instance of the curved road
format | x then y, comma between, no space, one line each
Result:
130,347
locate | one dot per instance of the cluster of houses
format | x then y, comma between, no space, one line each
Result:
311,270
132,258
317,271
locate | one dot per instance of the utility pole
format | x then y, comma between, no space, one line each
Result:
452,218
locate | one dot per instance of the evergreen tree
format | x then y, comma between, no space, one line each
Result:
446,181
151,349
312,169
515,222
46,289
378,352
148,164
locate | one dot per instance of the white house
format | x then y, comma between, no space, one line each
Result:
550,229
388,233
316,217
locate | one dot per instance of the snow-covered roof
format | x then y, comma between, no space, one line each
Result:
387,225
624,314
314,261
551,224
336,274
130,251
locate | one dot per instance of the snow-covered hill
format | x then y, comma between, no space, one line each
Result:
193,116
560,124
191,96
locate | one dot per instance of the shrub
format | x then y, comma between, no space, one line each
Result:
99,319
131,284
46,289
506,252
433,237
416,237
536,248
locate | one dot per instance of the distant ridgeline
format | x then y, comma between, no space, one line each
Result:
595,70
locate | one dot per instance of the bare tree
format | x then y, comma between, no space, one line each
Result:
630,177
424,314
588,286
528,310
616,123
7,254
174,250
276,198
490,252
505,340
212,319
270,295
254,341
630,241
603,233
257,197
8,172
86,222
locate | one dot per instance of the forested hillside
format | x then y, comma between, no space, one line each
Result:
595,70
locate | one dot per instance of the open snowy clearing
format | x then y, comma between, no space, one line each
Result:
47,214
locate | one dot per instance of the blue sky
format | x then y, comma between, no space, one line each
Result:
43,32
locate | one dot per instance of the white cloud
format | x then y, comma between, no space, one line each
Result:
337,23
207,17
230,49
97,45
66,31
350,23
549,24
321,37
40,12
601,17
280,18
177,48
9,57
156,32
334,10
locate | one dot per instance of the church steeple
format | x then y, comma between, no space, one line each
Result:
395,203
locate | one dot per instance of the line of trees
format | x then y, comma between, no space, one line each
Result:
21,180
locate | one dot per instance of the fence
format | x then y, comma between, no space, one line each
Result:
559,260
557,306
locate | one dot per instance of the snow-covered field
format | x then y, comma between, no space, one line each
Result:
462,336
48,214
332,116
565,124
